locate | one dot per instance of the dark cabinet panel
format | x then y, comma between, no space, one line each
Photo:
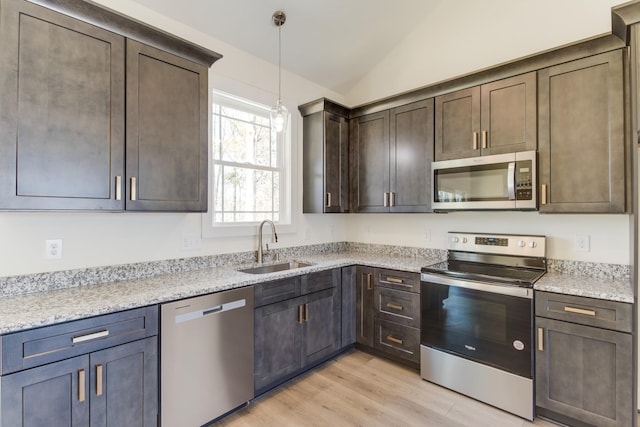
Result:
124,386
62,111
349,297
364,305
495,118
325,157
52,395
582,373
457,124
371,155
166,131
411,153
582,156
295,334
399,341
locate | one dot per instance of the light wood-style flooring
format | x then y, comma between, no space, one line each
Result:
357,389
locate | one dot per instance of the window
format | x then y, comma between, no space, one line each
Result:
249,178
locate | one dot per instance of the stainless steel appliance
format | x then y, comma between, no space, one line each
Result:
206,357
502,181
477,318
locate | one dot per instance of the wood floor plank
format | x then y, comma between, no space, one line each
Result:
358,389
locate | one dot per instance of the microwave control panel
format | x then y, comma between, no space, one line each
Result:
524,183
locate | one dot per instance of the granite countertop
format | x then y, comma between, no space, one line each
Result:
45,307
611,289
19,312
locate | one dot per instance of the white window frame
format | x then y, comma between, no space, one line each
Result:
287,223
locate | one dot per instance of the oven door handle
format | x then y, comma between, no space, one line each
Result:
511,180
514,291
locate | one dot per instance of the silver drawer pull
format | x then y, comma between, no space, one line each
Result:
89,337
579,311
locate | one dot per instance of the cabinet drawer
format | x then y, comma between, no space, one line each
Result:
587,311
276,291
35,347
397,340
319,281
397,306
401,280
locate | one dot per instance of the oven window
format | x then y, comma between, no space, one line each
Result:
464,315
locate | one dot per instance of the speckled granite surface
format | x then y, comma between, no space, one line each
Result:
42,299
25,311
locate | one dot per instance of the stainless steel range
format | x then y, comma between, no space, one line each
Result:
477,318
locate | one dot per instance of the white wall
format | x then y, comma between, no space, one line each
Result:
462,36
94,239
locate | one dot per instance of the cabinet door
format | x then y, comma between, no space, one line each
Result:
348,306
457,126
277,340
166,131
411,144
51,395
584,373
364,306
124,385
336,166
61,112
581,136
322,331
509,115
371,156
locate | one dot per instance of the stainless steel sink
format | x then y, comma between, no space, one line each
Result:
272,268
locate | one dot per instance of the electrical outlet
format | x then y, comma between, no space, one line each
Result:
581,243
53,249
191,242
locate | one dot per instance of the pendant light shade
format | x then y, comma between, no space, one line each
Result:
279,113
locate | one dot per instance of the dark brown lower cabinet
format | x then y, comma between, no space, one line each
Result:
297,333
118,385
364,306
583,373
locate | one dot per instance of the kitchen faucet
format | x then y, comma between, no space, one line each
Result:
274,237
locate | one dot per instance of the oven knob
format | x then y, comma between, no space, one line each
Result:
532,244
454,239
521,244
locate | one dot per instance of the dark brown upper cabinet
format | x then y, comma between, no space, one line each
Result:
583,164
392,154
495,118
62,111
325,157
63,117
166,131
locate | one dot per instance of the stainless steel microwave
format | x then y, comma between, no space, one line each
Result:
501,181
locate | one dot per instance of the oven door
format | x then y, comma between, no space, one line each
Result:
486,323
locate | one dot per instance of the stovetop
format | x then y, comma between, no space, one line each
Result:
516,276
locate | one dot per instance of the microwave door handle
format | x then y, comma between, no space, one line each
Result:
511,180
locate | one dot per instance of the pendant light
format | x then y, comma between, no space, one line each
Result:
279,113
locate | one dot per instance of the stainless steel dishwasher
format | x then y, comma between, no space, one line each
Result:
206,359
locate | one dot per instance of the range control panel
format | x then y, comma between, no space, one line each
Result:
503,244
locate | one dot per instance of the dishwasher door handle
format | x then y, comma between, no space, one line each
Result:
220,308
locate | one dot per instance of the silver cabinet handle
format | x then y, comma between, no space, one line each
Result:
89,337
484,139
385,200
543,194
118,187
134,188
328,200
392,197
475,140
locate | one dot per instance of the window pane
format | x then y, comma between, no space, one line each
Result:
244,142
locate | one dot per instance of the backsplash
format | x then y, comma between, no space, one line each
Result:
23,284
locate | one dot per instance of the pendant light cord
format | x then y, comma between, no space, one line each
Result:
280,63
